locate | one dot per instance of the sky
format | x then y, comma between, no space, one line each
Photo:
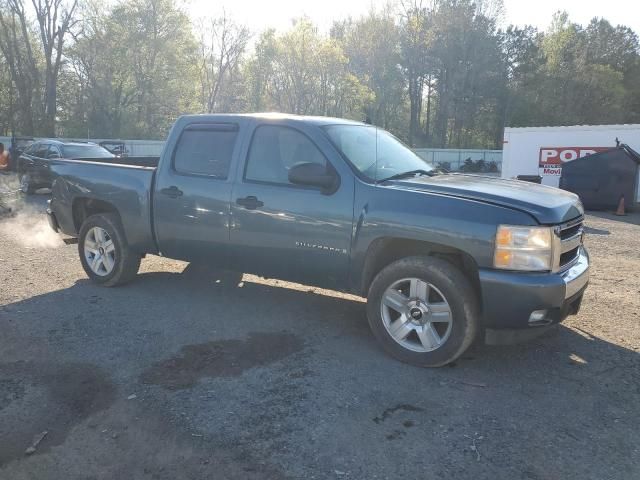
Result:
262,14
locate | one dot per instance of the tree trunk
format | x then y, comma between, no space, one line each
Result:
48,128
427,128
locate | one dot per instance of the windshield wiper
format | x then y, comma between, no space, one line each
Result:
410,173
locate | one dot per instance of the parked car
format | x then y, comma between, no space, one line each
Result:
442,258
18,145
116,147
35,164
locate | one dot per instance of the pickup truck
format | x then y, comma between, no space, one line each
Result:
443,259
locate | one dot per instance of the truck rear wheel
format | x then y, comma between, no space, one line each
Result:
104,252
423,311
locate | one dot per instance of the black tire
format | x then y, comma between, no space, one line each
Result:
458,293
127,262
26,186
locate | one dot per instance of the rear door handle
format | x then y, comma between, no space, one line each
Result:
250,202
172,192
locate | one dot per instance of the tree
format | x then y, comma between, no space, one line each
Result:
32,65
434,72
523,60
467,71
372,45
55,19
259,69
222,45
415,39
16,39
307,74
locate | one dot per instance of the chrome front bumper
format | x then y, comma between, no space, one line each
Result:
577,277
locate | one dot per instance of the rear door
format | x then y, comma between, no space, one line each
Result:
284,230
37,165
193,190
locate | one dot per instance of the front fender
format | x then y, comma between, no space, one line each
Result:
458,224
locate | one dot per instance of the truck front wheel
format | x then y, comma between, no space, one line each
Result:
104,252
423,310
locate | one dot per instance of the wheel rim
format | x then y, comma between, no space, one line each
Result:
99,251
416,315
24,184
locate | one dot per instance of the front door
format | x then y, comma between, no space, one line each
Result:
284,230
192,193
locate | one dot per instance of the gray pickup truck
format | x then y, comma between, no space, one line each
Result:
443,259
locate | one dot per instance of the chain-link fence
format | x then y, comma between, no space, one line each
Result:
454,160
134,148
488,162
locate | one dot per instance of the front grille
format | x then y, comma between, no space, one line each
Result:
570,234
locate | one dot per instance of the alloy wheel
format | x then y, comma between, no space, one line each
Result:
99,251
416,315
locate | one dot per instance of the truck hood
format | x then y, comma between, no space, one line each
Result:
547,205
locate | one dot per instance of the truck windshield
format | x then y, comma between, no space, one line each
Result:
85,151
375,152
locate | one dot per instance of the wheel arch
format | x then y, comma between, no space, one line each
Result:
384,251
83,207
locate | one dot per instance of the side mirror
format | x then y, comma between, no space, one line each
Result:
313,175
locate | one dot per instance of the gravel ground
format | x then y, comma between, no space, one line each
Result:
183,376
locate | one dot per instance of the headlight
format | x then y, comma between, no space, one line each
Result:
523,248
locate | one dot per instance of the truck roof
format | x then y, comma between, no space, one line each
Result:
316,120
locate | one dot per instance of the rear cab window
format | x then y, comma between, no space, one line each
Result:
206,149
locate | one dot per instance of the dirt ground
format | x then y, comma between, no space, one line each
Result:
179,376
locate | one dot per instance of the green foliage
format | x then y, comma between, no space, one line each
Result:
436,73
580,75
372,45
304,72
136,68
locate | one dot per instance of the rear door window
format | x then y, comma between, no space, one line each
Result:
54,152
40,150
30,148
206,149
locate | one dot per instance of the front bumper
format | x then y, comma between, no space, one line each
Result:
53,221
509,299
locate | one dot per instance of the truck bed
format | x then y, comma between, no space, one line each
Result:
127,188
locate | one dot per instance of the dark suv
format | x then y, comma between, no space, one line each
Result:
34,164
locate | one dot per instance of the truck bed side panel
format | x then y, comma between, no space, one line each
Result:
126,188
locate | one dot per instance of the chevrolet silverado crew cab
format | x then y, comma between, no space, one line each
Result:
441,258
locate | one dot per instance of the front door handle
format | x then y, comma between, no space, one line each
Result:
250,202
172,192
